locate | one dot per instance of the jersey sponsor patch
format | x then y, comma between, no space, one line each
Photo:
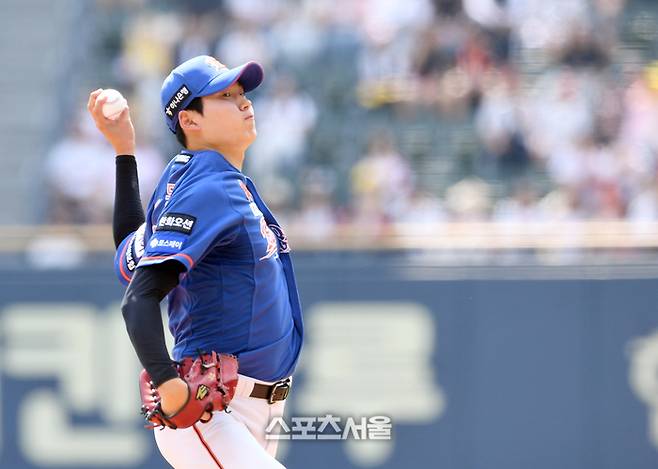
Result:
166,242
176,222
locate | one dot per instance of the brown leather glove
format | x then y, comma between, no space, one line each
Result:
211,380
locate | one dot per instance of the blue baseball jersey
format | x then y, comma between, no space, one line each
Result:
238,293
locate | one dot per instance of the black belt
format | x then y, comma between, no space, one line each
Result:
272,392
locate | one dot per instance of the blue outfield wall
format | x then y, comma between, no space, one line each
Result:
473,373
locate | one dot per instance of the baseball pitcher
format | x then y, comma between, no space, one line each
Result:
211,246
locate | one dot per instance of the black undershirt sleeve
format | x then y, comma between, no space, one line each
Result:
141,312
128,212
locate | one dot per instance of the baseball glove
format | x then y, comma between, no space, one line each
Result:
211,380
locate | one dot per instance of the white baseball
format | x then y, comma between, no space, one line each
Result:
114,105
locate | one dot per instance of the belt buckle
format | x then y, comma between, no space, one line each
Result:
285,385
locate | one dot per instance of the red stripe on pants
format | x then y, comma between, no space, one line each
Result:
205,445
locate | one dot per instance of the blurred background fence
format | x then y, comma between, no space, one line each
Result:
470,190
505,366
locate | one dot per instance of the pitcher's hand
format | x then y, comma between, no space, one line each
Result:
120,133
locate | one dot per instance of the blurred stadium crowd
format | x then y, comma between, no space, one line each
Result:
384,111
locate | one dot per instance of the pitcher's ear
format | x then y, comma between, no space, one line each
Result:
188,120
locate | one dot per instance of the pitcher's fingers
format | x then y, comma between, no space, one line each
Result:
92,98
124,114
97,109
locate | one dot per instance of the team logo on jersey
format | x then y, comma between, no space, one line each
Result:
281,236
216,64
201,392
272,246
250,198
176,222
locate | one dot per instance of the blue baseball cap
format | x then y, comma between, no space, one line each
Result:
201,76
